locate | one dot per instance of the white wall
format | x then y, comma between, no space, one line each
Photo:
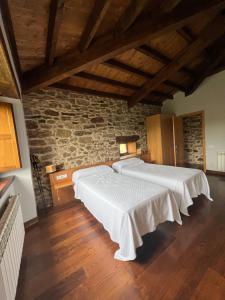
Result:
23,183
209,97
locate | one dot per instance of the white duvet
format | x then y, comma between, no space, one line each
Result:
184,182
127,207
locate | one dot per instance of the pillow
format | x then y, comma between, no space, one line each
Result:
102,169
126,162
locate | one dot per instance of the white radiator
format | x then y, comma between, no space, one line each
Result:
11,246
221,161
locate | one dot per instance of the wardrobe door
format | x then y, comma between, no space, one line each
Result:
154,138
167,140
178,137
9,154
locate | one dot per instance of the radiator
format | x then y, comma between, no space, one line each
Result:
221,160
11,246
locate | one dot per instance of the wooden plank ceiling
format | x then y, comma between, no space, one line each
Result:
8,85
136,50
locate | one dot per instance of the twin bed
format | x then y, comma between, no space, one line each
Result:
185,183
131,200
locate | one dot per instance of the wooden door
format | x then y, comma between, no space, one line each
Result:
154,138
178,139
9,154
167,140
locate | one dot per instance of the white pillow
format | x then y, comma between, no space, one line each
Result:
102,169
126,162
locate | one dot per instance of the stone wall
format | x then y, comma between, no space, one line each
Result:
66,127
193,147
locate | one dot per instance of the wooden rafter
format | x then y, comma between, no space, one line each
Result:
101,50
162,95
210,34
130,15
115,64
169,5
86,91
107,81
94,21
117,83
4,7
186,34
112,63
155,54
209,68
218,56
54,22
151,102
217,69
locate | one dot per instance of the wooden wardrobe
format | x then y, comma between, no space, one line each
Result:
160,138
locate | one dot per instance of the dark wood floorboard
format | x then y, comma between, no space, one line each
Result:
69,255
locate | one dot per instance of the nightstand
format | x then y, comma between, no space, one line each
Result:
60,180
147,158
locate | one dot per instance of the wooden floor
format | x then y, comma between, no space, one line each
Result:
70,256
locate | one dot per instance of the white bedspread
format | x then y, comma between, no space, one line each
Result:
127,207
184,182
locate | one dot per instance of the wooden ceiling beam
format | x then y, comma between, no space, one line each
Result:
117,65
86,91
218,56
169,5
130,15
155,54
161,94
117,83
151,102
107,81
112,63
213,31
95,19
217,69
186,34
175,85
202,76
54,21
107,47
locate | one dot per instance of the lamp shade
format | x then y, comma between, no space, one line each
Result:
50,169
123,148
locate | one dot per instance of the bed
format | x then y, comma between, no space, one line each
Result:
127,207
184,182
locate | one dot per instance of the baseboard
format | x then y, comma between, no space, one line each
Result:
216,173
31,223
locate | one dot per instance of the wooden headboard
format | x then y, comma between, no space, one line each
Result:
64,177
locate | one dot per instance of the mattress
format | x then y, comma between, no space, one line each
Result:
127,207
184,182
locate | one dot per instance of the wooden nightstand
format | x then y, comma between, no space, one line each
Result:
60,180
147,158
